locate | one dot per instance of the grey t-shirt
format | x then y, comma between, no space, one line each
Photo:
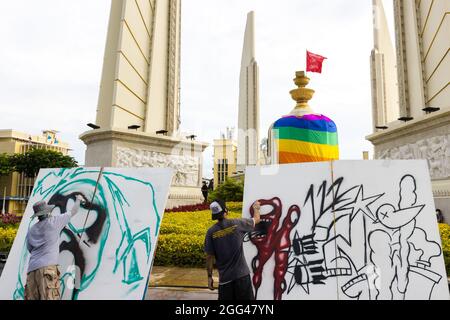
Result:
224,241
43,241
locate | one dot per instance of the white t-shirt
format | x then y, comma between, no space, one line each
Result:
43,241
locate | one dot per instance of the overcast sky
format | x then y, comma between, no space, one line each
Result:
52,52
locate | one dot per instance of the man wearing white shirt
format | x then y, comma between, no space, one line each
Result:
43,245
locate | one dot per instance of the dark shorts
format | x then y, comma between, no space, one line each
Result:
239,289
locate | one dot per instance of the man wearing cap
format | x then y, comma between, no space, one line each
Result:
43,245
223,242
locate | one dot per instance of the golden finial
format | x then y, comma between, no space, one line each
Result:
301,95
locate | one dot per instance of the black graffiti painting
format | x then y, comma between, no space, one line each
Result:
391,245
369,245
72,238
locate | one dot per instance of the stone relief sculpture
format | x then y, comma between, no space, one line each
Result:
187,167
435,149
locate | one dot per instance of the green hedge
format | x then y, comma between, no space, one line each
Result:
182,237
180,250
7,235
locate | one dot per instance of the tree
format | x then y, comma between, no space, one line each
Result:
230,190
6,166
31,161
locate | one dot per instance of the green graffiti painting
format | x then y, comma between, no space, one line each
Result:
115,232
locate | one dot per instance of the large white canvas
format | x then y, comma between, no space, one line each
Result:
106,251
284,186
398,251
367,230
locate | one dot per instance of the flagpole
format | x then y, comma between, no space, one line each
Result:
306,62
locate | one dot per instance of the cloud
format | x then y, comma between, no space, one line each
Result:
212,46
52,55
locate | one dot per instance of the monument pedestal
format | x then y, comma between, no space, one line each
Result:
426,137
124,148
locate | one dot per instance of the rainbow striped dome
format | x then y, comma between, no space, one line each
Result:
308,138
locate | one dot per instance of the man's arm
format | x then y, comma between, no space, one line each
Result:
209,250
62,220
209,269
248,224
256,212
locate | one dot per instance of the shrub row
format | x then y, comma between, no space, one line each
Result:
7,235
232,206
180,250
189,208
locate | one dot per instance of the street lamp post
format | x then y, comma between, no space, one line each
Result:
4,201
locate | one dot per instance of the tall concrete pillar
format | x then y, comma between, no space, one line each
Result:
248,122
385,98
138,112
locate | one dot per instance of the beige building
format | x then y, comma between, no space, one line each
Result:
138,114
422,128
225,158
18,186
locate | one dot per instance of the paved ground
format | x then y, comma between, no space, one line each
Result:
180,277
173,283
180,293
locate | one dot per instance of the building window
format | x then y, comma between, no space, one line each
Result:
222,170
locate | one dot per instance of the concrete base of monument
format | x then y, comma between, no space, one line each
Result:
427,137
180,196
125,148
441,193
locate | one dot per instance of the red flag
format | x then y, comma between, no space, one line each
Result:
314,62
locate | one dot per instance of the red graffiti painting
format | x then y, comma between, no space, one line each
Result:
273,240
